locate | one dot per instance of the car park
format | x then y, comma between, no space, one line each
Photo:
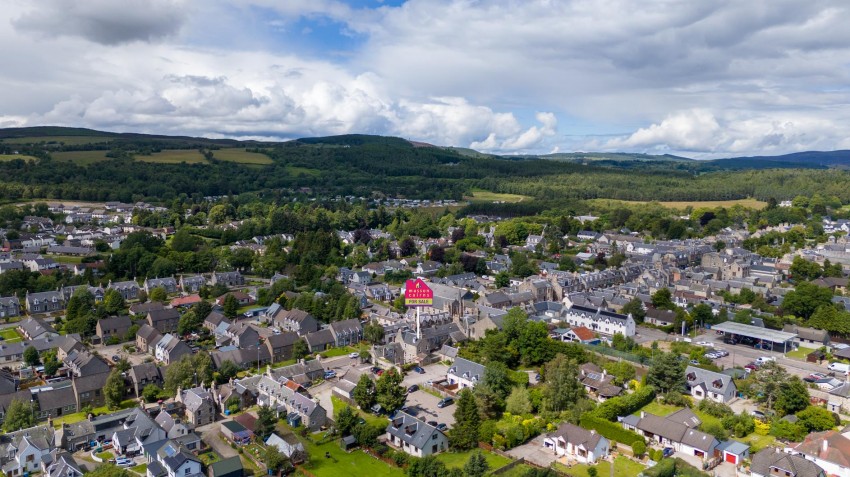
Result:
445,402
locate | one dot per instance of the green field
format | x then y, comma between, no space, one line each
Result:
296,171
175,156
241,156
66,140
82,158
10,335
456,460
341,463
487,196
746,203
12,157
623,467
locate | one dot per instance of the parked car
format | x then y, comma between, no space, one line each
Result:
815,377
694,362
330,374
380,372
758,414
412,389
668,451
375,369
445,402
764,359
751,367
707,344
116,358
419,370
442,427
433,423
354,355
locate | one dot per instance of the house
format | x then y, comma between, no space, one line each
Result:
280,345
577,444
44,302
186,301
77,435
24,451
214,319
170,349
200,407
173,460
146,338
142,309
36,328
134,432
297,321
9,306
657,317
579,334
808,336
169,284
415,437
172,424
83,363
281,393
192,283
598,383
346,332
129,289
228,279
165,320
705,384
599,321
60,464
142,375
113,327
677,430
230,467
56,402
772,462
318,341
288,445
242,335
241,297
465,373
236,433
427,268
829,450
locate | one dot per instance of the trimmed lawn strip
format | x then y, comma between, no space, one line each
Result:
623,467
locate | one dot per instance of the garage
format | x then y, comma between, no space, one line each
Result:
699,453
733,452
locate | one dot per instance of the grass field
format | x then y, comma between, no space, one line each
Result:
341,463
487,196
295,171
799,353
370,418
241,156
174,156
623,467
82,158
67,140
12,157
10,336
456,460
747,203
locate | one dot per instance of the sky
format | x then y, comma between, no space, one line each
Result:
700,79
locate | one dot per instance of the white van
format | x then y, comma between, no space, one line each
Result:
839,367
764,360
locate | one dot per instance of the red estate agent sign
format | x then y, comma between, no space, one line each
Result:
417,293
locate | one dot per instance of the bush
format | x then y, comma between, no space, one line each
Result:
610,430
716,409
400,459
639,448
625,405
674,398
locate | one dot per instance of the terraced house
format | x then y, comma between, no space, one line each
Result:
44,302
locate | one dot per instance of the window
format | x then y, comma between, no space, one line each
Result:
186,471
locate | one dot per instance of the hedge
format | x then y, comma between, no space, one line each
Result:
611,430
625,405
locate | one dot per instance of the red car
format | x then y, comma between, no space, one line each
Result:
380,372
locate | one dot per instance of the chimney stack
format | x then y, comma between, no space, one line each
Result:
824,446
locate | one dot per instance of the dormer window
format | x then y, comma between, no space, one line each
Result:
692,376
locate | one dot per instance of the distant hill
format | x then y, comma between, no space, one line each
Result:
610,156
805,159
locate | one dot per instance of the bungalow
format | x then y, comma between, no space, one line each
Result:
577,444
580,334
241,297
657,317
230,467
465,373
146,338
598,383
808,336
288,445
415,437
36,328
186,301
677,430
702,384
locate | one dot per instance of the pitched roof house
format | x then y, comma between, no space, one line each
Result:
705,384
577,443
415,437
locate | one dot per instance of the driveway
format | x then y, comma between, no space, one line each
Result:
534,452
211,434
424,406
433,372
648,335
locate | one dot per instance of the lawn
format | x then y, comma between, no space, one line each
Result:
758,442
799,353
341,463
333,352
623,467
105,456
517,471
81,158
174,156
10,335
81,416
208,458
140,469
658,409
458,459
241,156
487,196
370,418
12,157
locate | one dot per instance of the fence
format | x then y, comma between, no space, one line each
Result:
617,354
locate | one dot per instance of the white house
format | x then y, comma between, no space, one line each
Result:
415,437
23,451
705,384
599,321
465,373
174,461
576,443
830,450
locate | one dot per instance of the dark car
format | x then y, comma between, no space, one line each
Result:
419,370
445,402
433,423
442,427
412,389
668,451
116,358
375,369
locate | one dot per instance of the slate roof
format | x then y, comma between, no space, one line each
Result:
577,436
838,447
713,382
467,369
768,458
411,430
150,334
284,339
226,466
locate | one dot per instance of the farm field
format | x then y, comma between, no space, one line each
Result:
746,203
174,156
67,140
241,156
12,157
487,196
82,158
